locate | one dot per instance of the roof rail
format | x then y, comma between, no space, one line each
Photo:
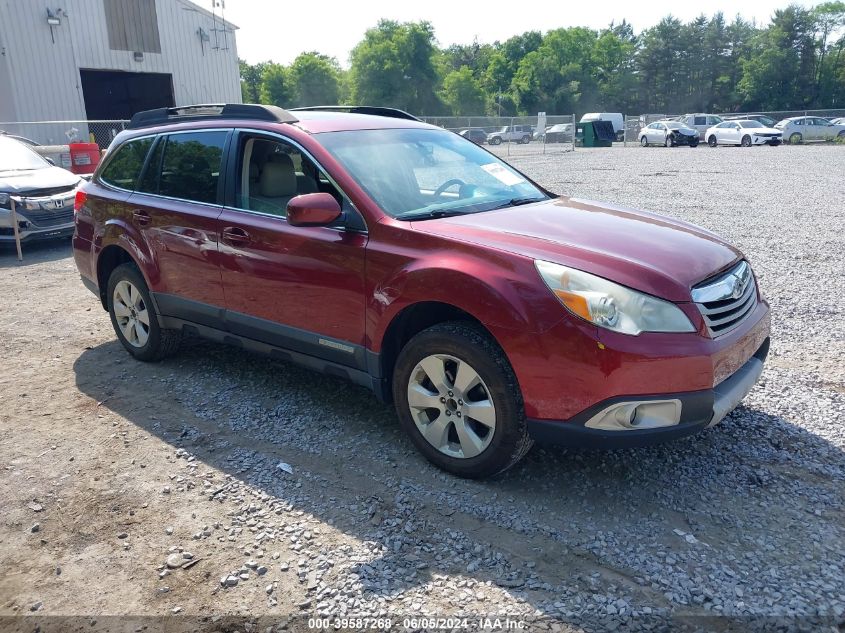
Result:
394,113
202,112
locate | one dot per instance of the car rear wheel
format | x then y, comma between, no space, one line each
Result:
458,399
643,141
693,143
712,142
746,141
526,140
795,138
134,318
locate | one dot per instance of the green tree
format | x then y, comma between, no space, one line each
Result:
778,73
462,92
251,80
314,80
276,86
394,66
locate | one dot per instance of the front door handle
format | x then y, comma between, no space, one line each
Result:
235,236
141,217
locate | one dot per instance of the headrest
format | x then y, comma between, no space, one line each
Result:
278,179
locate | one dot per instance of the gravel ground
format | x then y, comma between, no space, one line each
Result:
220,483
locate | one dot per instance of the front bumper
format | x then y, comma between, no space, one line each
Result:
699,410
46,226
766,140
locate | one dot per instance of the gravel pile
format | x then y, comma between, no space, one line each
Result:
743,520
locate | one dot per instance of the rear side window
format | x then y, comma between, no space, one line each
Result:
126,164
190,166
700,120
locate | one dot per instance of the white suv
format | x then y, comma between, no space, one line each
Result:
511,133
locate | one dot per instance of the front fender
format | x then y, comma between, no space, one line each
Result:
503,294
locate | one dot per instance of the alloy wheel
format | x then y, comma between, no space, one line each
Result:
131,313
451,406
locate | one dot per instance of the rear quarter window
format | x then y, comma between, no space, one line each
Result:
125,166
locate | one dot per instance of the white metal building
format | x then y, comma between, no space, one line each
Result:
74,60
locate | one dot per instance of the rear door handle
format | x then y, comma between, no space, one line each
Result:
141,217
235,236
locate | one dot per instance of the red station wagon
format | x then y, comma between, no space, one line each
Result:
363,243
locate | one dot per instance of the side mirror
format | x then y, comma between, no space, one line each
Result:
313,209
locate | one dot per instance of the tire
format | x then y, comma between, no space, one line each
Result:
496,140
746,141
795,138
712,142
693,143
841,135
643,141
151,342
670,141
444,348
526,140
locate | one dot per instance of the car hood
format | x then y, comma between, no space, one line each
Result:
23,182
649,252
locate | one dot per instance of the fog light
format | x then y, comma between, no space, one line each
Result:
637,414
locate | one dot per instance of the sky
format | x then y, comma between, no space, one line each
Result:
278,31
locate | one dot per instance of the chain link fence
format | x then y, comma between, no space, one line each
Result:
505,136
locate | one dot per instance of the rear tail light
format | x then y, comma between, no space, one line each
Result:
81,197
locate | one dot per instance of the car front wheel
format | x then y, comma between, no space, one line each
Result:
795,138
746,141
495,141
712,142
670,141
134,318
643,141
458,399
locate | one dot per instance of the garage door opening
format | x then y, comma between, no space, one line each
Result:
113,95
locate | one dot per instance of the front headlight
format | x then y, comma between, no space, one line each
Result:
610,305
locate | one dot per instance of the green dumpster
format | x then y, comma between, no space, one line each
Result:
595,133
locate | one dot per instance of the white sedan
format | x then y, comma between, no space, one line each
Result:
742,132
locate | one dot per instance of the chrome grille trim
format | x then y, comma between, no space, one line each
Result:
727,300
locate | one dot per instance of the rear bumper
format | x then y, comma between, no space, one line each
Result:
699,410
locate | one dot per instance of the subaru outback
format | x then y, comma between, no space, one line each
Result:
363,243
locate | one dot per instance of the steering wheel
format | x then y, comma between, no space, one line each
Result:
447,184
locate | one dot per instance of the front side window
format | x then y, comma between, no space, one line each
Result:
190,166
271,172
422,173
125,166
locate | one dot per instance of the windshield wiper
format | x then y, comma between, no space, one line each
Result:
515,202
431,214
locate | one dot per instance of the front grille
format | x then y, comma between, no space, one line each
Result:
48,218
726,300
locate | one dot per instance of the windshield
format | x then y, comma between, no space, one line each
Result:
750,124
421,173
15,156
